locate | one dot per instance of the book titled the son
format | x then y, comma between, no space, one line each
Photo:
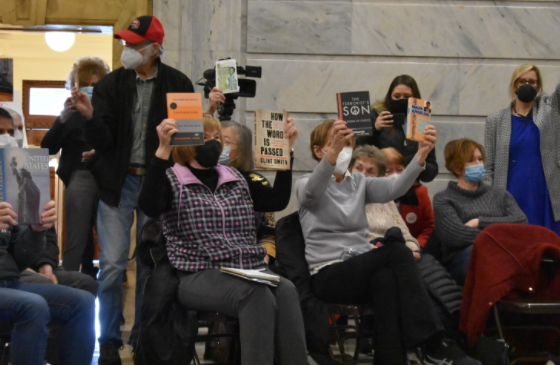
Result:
186,109
354,109
25,182
253,275
272,147
418,118
226,76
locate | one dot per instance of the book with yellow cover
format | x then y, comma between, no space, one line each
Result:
272,146
186,109
418,118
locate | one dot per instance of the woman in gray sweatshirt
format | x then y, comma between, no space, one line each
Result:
332,212
468,206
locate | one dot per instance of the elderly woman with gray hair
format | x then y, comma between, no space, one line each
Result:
81,197
371,162
238,153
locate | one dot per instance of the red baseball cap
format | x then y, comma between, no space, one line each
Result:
146,27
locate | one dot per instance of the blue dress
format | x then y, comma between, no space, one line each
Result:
526,181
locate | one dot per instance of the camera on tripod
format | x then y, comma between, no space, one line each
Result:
247,88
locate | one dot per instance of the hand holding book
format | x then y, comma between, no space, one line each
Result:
426,146
165,130
342,137
7,215
48,217
215,98
291,132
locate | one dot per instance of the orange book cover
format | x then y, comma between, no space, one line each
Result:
418,117
186,109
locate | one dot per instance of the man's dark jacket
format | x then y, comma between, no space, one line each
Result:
110,131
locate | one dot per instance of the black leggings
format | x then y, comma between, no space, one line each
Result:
388,279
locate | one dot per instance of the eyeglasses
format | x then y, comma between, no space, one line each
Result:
521,82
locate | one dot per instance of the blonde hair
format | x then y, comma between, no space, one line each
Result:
184,154
319,136
520,71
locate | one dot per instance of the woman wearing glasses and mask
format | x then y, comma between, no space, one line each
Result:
389,115
523,148
238,153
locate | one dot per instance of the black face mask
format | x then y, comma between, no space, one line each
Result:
526,93
207,155
398,106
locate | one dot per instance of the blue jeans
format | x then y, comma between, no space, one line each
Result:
30,307
459,265
113,232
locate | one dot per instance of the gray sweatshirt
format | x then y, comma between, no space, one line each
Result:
455,206
333,215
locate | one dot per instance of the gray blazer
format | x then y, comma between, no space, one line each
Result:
546,115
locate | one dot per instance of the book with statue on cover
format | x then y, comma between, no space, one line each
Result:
25,182
253,275
186,109
226,76
354,108
272,146
418,118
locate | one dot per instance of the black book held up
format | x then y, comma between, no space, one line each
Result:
354,108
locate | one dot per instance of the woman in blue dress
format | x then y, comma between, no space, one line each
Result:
522,148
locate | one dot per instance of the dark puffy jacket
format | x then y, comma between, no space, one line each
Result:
445,293
167,330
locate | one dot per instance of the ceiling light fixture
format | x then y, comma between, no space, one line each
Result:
60,41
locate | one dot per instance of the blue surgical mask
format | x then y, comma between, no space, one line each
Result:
88,90
224,157
474,173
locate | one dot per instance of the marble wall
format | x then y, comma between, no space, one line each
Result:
461,53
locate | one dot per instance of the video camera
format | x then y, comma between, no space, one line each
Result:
247,88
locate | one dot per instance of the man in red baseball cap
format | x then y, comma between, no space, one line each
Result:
143,28
127,106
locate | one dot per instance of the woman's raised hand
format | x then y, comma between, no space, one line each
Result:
291,132
341,137
384,120
425,147
165,130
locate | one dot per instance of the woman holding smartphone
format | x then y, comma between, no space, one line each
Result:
389,117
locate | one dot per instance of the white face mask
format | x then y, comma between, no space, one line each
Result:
7,141
343,160
132,58
18,137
